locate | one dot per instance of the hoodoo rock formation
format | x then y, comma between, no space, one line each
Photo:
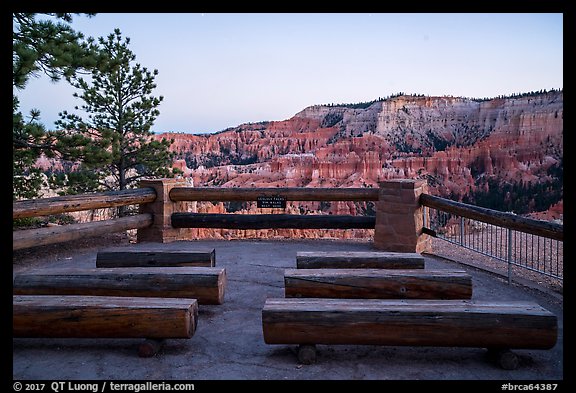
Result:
461,146
504,153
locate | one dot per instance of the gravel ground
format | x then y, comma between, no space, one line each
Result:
43,255
228,344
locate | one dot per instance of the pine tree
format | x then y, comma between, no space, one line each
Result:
48,47
40,47
114,143
26,179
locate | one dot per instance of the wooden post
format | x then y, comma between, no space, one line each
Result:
161,231
399,217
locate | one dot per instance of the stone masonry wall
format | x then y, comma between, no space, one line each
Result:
162,208
399,217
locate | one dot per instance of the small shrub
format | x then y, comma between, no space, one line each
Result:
26,223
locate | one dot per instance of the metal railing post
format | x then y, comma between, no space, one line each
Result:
424,221
461,230
509,256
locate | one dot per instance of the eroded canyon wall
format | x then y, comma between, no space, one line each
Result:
461,146
451,141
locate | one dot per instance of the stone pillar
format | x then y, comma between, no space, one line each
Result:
399,218
161,230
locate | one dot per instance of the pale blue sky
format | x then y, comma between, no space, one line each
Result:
221,70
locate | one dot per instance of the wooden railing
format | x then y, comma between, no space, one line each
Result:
266,221
291,194
72,203
276,221
65,204
506,220
148,197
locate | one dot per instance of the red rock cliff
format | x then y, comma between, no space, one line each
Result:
455,143
451,141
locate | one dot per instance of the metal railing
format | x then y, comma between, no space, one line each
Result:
537,251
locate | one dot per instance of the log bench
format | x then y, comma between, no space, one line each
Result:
358,259
121,257
154,319
206,284
378,283
496,325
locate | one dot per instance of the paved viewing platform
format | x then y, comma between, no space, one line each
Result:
228,343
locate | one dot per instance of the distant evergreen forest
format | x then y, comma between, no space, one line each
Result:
366,104
520,197
518,95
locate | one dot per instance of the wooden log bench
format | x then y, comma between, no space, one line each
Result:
154,319
206,284
358,260
378,283
498,326
122,257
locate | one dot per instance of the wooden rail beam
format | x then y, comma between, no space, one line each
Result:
263,221
38,237
507,220
291,194
72,203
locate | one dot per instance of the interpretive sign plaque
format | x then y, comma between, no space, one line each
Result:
271,202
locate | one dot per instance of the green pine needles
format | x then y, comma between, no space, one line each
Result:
106,143
40,47
114,141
